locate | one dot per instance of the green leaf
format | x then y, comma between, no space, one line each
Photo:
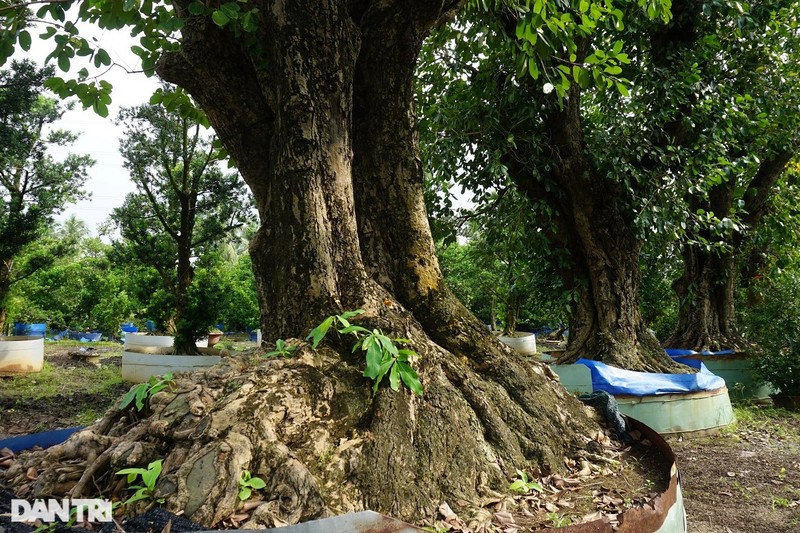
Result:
388,345
374,358
197,8
102,58
518,486
141,394
622,89
244,493
257,483
131,394
410,378
319,332
354,329
220,18
100,108
394,378
405,355
150,477
24,40
63,62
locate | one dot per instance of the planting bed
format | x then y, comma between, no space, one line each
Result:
746,479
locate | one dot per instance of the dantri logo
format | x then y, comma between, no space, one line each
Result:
79,510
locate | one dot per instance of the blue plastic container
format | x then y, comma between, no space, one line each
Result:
36,330
128,327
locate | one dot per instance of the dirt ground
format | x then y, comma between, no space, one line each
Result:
68,392
745,479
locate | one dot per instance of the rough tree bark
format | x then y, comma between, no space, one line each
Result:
707,287
322,130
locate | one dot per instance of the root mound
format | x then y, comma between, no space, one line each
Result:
311,429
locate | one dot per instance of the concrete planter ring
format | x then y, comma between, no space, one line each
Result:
138,365
668,403
144,342
21,355
522,342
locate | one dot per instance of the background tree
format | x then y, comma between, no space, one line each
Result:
561,142
80,290
745,131
184,207
600,180
33,186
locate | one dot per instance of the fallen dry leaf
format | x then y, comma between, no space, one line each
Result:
504,518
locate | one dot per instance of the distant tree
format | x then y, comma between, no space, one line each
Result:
81,289
239,310
33,186
184,206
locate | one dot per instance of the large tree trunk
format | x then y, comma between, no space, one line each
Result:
594,230
706,289
184,336
322,131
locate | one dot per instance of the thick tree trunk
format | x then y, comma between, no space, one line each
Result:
706,292
513,303
309,426
706,289
594,230
184,335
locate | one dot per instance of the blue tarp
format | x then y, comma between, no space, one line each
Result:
43,440
615,380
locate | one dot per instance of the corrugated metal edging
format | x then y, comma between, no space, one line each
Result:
664,514
364,521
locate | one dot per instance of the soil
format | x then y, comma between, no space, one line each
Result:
745,479
68,405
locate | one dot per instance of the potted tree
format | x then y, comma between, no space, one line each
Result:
184,207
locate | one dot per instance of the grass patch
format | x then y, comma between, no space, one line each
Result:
781,422
54,381
54,346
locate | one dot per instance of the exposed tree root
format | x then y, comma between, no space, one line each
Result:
309,427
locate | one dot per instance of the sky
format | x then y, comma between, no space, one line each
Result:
99,137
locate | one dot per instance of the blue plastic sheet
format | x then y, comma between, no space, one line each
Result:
43,440
615,380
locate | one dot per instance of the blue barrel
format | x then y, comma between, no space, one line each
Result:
36,330
20,328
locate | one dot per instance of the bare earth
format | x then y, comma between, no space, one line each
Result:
747,478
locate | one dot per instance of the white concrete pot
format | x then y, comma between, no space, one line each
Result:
524,343
21,354
137,367
142,343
